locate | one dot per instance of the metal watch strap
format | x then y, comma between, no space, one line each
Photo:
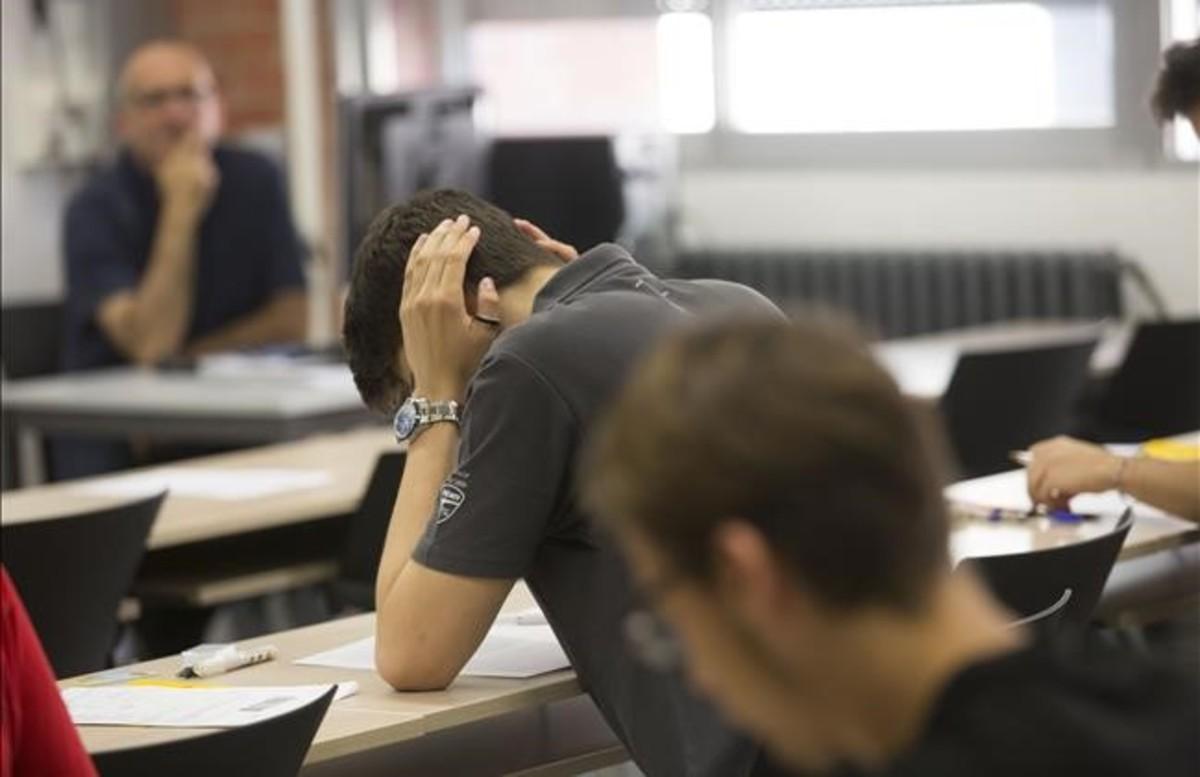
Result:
430,412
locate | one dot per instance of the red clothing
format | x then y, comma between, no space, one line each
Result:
36,734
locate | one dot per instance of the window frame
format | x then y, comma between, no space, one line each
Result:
1133,140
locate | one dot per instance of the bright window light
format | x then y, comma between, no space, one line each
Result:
903,68
685,72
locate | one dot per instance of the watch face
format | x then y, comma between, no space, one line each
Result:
405,421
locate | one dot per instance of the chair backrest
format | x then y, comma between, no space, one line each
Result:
569,186
1024,582
31,339
72,573
359,561
1046,622
270,748
1156,390
998,401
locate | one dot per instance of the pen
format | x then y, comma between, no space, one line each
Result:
230,659
1011,515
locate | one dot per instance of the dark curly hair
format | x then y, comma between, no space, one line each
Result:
371,327
1178,88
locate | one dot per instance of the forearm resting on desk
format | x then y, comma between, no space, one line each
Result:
284,319
428,623
1171,486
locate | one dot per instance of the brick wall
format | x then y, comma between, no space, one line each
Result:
241,38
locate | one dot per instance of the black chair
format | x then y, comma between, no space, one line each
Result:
72,573
30,346
269,748
31,339
359,562
998,401
1156,390
1046,622
569,186
1024,582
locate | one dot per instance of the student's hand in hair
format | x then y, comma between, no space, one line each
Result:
1063,467
564,251
443,342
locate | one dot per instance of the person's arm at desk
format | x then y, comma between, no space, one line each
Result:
149,322
1064,467
428,622
284,319
283,316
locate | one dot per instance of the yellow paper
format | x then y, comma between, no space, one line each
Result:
1171,450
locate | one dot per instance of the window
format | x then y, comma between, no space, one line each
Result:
833,67
594,75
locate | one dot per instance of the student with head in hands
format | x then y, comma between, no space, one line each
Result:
781,506
494,348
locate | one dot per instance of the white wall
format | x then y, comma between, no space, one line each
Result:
30,202
1152,215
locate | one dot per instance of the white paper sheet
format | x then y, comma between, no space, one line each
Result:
209,483
517,646
151,705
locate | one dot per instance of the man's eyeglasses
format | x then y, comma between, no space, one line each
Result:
647,635
157,98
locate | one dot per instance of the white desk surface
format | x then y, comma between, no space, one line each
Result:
271,392
1152,531
923,366
348,457
374,717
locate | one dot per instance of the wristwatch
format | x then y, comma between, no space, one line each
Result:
417,413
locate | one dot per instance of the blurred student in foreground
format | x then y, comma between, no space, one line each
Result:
781,506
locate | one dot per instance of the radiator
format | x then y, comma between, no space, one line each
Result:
908,293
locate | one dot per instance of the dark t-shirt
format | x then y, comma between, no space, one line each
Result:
1041,713
509,508
247,249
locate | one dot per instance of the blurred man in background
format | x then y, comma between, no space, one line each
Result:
182,246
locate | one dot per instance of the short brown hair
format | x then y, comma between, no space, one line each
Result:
792,427
371,325
1178,88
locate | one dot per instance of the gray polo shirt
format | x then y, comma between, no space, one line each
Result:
509,509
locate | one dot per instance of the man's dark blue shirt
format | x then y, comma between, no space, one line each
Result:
246,253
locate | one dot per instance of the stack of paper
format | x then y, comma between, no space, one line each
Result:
517,646
151,705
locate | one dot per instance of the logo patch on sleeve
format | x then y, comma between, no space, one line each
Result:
451,497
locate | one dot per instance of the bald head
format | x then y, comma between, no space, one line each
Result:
167,91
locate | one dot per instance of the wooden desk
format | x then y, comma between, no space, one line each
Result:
1152,531
216,406
923,366
377,716
348,457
